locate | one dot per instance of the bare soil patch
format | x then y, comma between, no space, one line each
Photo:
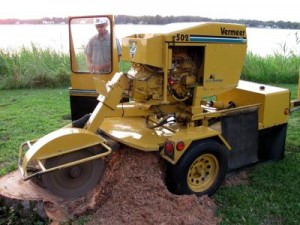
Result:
236,178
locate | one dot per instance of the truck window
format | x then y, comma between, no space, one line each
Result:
91,45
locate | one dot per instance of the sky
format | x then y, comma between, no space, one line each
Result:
286,10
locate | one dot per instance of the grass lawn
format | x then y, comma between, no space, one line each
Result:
270,197
27,115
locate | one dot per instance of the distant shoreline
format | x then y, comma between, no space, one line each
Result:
161,20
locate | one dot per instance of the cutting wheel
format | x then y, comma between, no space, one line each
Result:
76,180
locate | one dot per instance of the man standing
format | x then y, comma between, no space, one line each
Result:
98,50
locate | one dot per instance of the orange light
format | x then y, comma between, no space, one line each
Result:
286,111
180,146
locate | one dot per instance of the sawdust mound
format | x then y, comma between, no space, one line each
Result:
132,191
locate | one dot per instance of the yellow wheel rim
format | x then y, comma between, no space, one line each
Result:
203,173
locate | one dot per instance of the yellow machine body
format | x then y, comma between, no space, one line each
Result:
168,70
220,50
183,90
274,102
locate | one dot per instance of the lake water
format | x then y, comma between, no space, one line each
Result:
260,41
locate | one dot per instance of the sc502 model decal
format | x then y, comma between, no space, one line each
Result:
227,38
182,37
211,39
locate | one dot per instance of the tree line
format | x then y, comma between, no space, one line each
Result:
126,19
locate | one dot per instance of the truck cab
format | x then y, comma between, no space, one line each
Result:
83,95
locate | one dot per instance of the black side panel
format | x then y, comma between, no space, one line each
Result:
82,105
272,143
241,131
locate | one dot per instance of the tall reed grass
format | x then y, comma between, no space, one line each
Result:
36,67
33,67
276,68
280,67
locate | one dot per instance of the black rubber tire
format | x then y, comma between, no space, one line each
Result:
73,181
201,170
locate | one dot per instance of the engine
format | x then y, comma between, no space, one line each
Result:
182,76
147,81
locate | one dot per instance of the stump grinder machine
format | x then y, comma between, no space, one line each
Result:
182,98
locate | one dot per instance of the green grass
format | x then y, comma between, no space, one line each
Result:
271,197
26,115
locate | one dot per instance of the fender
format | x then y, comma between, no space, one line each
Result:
187,137
59,142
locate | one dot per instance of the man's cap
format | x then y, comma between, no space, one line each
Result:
100,20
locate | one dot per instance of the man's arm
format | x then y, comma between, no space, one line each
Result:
119,49
89,62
